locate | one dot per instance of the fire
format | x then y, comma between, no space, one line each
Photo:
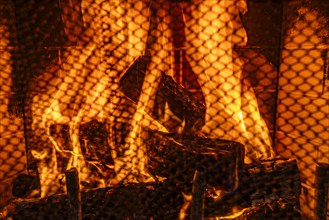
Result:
75,94
49,108
212,30
236,214
89,76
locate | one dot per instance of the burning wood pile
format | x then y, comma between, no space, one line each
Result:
212,171
269,189
216,163
274,197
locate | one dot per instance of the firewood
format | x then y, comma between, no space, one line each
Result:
132,201
24,186
262,183
269,190
177,157
180,100
282,208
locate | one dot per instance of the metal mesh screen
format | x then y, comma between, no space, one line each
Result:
164,109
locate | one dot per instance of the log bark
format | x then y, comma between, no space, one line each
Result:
177,157
181,101
269,190
266,182
131,201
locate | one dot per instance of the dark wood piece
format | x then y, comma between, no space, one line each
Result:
321,191
198,193
73,194
181,102
177,157
132,201
24,186
267,186
268,190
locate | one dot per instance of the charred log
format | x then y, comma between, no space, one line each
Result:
135,201
181,101
268,190
94,146
262,189
177,157
26,185
283,208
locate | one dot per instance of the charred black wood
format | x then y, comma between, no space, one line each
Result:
92,136
263,183
321,191
177,157
268,190
96,152
181,101
132,201
26,185
73,194
282,208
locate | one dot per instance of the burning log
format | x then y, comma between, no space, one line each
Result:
278,209
26,186
265,188
177,157
268,188
180,100
133,201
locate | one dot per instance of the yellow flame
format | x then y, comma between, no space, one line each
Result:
212,30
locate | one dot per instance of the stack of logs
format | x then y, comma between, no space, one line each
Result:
268,189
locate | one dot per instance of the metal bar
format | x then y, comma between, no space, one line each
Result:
198,189
321,191
73,194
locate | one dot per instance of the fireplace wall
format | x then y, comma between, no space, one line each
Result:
303,102
11,129
282,103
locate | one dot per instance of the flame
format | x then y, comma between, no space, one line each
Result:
76,94
57,107
236,214
90,76
212,30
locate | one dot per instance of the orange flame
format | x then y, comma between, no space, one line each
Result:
212,30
